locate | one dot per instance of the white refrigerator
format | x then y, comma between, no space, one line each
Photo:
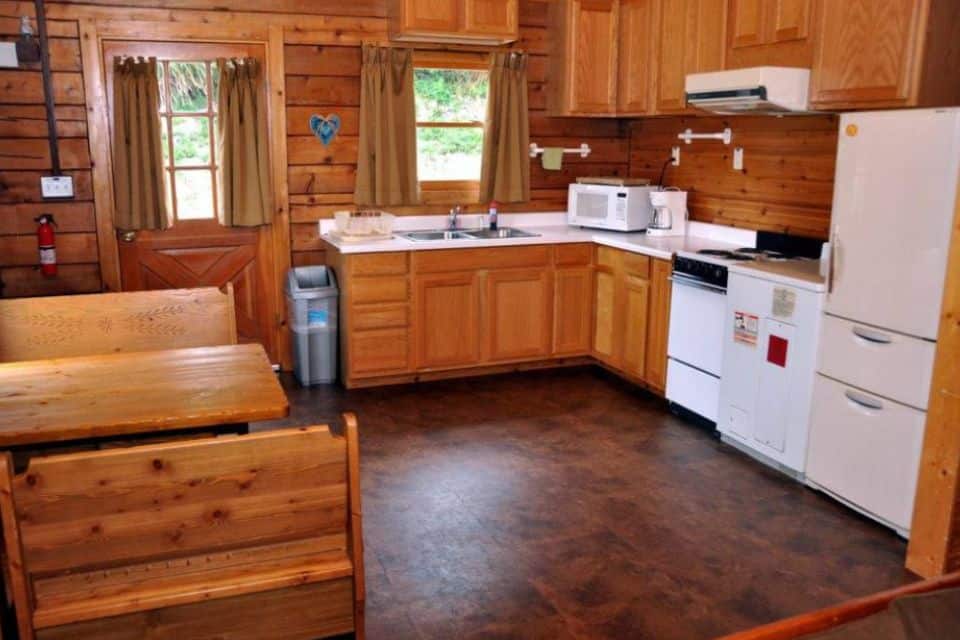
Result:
894,195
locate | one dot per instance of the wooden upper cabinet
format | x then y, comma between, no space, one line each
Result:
887,53
583,57
491,17
635,59
691,40
770,32
482,21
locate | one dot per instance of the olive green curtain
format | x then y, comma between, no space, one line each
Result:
505,172
138,181
387,157
246,193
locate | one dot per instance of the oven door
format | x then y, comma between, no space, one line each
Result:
697,313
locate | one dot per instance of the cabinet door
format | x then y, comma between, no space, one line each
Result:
518,312
572,310
605,320
491,18
770,32
447,319
691,41
430,15
592,63
659,324
635,311
635,56
866,51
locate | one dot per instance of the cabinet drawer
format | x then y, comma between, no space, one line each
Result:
447,260
888,364
636,265
386,289
867,456
379,352
607,257
378,264
573,254
380,317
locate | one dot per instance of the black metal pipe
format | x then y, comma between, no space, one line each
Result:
48,86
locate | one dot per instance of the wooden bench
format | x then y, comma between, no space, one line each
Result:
83,325
253,537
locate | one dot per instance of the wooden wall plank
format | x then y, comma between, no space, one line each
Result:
24,186
19,282
26,87
34,153
72,248
786,184
70,216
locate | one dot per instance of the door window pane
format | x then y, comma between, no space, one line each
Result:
188,86
191,141
194,194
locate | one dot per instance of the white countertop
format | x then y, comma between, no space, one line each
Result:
805,274
551,229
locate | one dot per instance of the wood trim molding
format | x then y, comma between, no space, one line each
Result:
934,547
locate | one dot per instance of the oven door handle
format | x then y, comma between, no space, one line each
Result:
706,286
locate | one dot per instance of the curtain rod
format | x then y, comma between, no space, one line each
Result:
439,46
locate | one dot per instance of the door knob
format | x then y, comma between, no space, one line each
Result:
128,236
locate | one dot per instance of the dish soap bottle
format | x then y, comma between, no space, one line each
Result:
493,215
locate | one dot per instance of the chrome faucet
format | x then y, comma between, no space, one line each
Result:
452,221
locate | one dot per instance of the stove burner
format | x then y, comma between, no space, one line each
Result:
726,255
750,250
714,252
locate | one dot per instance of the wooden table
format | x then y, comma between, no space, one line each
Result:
127,394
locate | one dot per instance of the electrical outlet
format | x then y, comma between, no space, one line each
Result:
56,187
675,156
738,159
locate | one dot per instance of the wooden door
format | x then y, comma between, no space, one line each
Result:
592,64
658,325
691,36
605,318
518,314
572,310
447,323
491,18
770,32
197,251
635,57
431,15
635,306
867,53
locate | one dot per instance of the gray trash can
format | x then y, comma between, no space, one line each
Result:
312,298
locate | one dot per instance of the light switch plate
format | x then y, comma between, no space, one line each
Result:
8,55
56,187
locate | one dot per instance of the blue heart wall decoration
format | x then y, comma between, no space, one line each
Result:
325,128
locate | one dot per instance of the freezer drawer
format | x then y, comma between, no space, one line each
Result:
693,389
889,364
866,450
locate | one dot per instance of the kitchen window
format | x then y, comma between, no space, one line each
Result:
450,91
188,119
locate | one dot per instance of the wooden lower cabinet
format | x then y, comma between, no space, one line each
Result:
518,314
447,319
572,311
409,314
636,308
632,315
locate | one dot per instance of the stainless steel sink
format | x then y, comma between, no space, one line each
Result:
466,234
503,232
426,236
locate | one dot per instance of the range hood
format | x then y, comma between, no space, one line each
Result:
754,90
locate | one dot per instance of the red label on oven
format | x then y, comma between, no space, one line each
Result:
777,351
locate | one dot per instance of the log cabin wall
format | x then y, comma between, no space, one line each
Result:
787,181
322,70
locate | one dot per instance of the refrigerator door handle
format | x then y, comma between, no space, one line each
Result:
832,266
875,337
863,400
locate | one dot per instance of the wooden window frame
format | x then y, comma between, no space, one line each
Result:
451,191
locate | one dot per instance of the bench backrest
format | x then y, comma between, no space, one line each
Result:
80,325
86,511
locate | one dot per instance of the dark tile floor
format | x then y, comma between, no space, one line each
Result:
567,504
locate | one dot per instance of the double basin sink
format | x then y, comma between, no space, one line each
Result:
467,234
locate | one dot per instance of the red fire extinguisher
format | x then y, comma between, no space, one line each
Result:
47,244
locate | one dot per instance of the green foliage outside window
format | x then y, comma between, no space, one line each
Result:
450,95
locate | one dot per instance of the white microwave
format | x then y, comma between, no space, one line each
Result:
611,207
